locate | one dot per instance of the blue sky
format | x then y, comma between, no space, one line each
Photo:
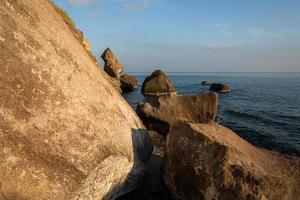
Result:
193,35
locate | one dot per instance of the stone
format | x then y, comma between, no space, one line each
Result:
128,83
209,162
112,66
116,83
163,112
218,87
158,84
65,132
205,83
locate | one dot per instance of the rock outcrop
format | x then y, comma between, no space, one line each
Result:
210,162
218,87
163,112
112,66
158,84
65,133
128,83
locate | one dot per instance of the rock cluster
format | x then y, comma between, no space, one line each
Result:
209,161
158,84
123,83
163,112
65,133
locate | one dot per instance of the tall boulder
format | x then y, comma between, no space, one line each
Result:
65,133
157,84
112,66
210,162
163,112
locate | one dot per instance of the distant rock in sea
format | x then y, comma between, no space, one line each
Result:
163,112
218,87
65,132
128,83
157,84
205,83
209,162
112,65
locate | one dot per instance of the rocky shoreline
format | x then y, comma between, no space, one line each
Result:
67,133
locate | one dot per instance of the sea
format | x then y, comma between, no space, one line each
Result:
262,108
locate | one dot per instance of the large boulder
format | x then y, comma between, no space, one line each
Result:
112,66
128,83
210,162
65,133
158,84
219,87
163,112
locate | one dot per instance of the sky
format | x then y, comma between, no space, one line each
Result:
193,35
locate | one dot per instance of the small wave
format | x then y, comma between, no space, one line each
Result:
257,118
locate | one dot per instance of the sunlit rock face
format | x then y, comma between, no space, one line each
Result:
164,112
210,162
112,66
65,132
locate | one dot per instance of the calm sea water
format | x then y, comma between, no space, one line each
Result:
263,108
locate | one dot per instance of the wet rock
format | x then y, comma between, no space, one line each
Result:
163,112
209,161
128,83
112,66
65,133
218,87
158,84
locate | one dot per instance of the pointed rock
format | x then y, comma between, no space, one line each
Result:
112,65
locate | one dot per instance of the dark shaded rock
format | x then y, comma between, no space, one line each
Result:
152,188
128,83
209,162
65,132
158,84
218,87
205,83
133,81
112,66
163,112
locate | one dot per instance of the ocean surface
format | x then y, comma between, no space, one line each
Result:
263,108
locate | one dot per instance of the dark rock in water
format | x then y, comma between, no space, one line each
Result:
205,83
128,83
65,132
112,65
158,84
209,161
163,112
133,81
218,87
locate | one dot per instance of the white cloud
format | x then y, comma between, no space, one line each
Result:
262,33
136,5
223,28
83,2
